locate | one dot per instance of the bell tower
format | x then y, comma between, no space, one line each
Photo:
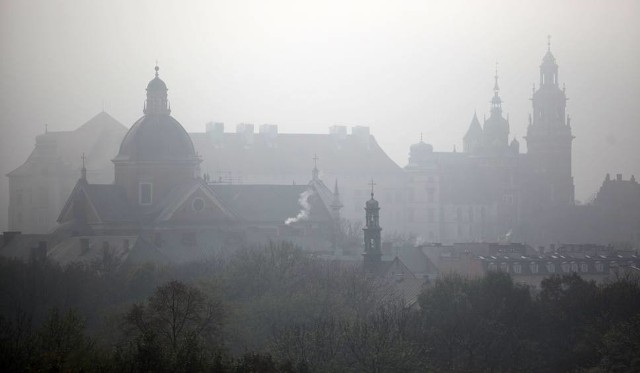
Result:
549,139
372,241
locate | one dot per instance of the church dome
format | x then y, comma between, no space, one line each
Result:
420,148
156,84
156,138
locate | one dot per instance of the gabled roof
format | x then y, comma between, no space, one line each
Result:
180,194
270,203
108,203
60,151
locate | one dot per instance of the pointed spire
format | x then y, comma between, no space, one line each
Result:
315,172
157,68
549,43
336,192
496,102
83,171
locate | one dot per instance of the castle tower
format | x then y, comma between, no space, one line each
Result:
372,240
549,138
156,154
495,133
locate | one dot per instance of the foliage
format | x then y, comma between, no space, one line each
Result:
275,309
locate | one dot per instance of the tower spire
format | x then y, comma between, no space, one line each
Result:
496,102
549,43
83,171
314,172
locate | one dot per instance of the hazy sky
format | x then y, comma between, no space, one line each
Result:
399,67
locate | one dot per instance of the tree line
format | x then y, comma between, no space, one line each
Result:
275,309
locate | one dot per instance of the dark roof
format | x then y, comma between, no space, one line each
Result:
270,203
156,137
281,155
110,202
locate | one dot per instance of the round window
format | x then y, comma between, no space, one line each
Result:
197,204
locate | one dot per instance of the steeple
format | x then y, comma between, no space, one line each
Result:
157,102
83,171
496,102
315,172
548,68
336,203
372,241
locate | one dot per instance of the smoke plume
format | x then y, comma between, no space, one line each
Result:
303,201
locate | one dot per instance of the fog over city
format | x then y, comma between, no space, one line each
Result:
402,68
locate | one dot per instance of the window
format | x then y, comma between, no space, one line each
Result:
551,268
197,204
565,267
599,266
584,267
504,267
492,266
145,193
517,268
574,267
533,267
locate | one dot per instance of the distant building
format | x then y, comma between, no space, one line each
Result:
490,191
530,266
39,188
160,208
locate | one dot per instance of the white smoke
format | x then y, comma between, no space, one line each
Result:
303,201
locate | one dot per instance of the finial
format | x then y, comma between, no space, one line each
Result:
454,149
420,136
157,68
548,43
315,160
46,128
372,185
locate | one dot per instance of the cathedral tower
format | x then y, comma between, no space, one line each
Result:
549,138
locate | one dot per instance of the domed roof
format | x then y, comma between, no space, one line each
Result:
156,137
156,84
421,148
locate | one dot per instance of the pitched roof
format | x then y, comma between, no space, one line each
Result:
108,202
282,155
98,138
270,203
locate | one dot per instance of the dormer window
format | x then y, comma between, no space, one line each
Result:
145,193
